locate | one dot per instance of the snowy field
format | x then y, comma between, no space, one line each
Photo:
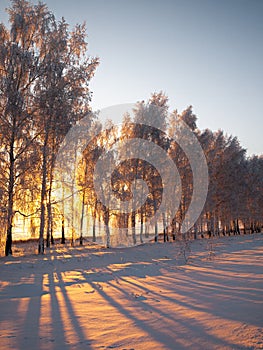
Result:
150,297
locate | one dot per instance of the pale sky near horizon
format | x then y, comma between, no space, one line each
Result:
204,53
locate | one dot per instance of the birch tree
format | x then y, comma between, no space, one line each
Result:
19,67
64,98
45,74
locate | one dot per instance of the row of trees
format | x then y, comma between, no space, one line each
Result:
234,199
44,91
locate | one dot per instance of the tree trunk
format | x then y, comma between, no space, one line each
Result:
63,241
133,227
156,231
195,230
73,233
156,223
51,233
94,223
48,224
146,230
43,197
106,221
8,246
244,224
72,218
107,237
63,231
141,228
237,227
164,227
11,184
174,229
49,205
82,218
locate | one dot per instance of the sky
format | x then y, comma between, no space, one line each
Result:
204,53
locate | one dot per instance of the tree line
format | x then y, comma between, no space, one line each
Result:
234,198
44,91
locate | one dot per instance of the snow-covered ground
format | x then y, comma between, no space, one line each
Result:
150,297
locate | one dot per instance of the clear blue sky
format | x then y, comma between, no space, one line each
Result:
207,53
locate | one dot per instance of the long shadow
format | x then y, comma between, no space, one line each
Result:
195,328
29,336
215,289
8,313
190,291
169,341
82,340
191,288
28,286
58,332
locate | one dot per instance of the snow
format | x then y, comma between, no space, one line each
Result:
150,297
